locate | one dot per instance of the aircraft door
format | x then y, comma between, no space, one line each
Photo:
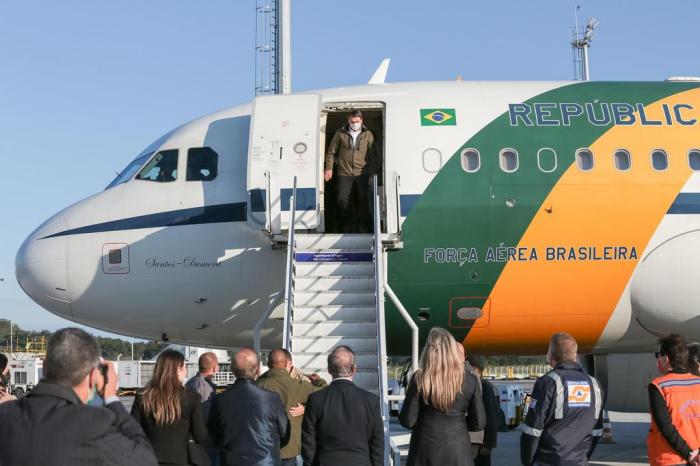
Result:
284,134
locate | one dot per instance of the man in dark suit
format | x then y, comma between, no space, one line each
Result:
248,424
342,423
53,426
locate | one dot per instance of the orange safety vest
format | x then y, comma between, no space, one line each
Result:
682,395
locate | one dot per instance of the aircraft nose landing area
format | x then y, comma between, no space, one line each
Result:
40,267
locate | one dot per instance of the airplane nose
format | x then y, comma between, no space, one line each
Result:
41,267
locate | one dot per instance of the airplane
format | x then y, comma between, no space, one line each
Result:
510,211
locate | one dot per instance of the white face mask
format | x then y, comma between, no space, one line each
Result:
355,126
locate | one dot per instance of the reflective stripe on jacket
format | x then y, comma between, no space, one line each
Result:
682,395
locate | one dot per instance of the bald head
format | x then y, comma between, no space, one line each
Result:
245,364
208,363
562,348
341,362
277,359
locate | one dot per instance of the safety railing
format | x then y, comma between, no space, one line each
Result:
397,193
289,280
268,203
263,318
381,328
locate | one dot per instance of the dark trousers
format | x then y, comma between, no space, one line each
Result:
482,460
353,203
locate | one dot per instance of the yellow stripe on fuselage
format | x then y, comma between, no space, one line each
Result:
603,207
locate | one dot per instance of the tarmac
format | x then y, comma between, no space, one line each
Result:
629,434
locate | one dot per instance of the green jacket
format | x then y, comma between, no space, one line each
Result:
292,392
361,158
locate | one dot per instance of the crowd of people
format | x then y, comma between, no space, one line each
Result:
283,417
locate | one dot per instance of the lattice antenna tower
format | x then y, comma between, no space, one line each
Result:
272,47
581,37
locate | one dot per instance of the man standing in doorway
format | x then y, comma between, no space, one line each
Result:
357,159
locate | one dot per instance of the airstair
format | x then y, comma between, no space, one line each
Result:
333,303
334,295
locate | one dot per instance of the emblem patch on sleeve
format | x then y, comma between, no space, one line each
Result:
579,394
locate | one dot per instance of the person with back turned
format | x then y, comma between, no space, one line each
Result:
674,400
294,394
170,415
249,424
205,388
53,426
439,397
565,418
342,423
494,415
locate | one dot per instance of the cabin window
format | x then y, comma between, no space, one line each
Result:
547,160
659,160
623,161
471,160
162,167
432,160
694,160
584,160
508,159
202,164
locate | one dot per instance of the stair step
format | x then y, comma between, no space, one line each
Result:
319,361
344,269
334,255
334,283
326,344
324,313
335,328
322,298
323,242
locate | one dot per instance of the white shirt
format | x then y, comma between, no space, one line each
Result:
354,135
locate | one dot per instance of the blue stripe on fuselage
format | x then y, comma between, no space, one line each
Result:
234,212
686,203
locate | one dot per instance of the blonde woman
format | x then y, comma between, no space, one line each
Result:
170,415
443,403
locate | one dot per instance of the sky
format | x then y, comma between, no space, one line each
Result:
85,86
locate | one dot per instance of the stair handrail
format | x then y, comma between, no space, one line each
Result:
289,279
397,186
381,327
263,318
268,203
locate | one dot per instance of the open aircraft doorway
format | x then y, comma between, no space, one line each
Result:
333,118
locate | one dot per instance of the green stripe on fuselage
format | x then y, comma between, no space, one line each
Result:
465,210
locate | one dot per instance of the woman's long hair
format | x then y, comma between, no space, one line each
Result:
441,373
162,396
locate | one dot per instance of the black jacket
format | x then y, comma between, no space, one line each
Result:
170,441
249,425
443,438
565,418
494,415
51,426
342,426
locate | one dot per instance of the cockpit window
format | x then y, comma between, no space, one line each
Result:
162,168
202,164
130,170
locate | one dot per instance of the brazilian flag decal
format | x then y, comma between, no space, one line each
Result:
438,117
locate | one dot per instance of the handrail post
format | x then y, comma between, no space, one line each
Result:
263,318
381,328
397,185
268,204
289,280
